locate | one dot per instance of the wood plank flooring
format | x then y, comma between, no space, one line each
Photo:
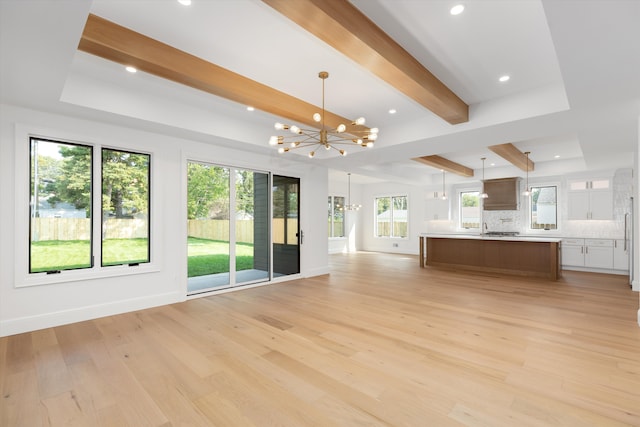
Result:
379,342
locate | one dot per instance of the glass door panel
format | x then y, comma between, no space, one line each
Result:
285,224
251,226
208,228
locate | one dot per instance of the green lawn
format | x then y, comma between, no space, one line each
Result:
212,256
68,254
205,256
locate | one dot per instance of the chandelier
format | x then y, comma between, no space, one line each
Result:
327,138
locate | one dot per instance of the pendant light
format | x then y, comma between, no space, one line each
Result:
527,192
483,195
444,194
349,206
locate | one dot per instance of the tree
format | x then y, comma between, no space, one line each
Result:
244,191
72,183
470,200
207,191
125,183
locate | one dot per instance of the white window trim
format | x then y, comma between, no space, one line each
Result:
375,216
458,218
344,219
527,206
22,277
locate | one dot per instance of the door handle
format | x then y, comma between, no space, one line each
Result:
301,234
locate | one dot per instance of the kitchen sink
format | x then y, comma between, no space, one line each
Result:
501,233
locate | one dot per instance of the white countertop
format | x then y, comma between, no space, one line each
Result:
518,238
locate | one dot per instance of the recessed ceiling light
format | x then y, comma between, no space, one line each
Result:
392,111
185,2
457,9
131,69
557,156
504,78
250,108
492,164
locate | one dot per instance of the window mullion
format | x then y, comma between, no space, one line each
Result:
97,216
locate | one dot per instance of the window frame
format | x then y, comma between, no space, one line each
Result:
529,204
22,240
331,214
459,194
102,216
391,219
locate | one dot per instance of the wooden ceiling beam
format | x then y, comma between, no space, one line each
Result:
119,44
342,26
516,157
445,164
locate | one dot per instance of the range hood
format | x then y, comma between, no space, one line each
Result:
504,194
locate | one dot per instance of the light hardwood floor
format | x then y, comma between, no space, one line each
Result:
379,342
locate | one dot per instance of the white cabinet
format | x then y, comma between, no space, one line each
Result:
621,254
590,199
590,253
598,253
573,252
436,208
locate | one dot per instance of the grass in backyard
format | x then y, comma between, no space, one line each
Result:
212,256
204,256
51,255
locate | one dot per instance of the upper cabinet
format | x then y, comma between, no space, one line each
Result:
504,194
590,199
436,208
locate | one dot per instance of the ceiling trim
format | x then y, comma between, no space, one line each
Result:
116,43
516,157
342,26
445,164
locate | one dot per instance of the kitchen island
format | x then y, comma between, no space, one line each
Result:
519,255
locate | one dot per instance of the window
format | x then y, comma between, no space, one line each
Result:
125,207
544,208
335,211
60,225
469,209
391,216
63,198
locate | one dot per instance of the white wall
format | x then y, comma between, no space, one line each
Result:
415,215
34,307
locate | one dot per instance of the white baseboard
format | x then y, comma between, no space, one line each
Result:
49,320
639,317
317,271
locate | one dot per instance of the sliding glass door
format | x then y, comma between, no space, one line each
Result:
228,227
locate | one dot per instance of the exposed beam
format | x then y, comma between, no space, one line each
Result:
342,26
509,152
444,164
119,44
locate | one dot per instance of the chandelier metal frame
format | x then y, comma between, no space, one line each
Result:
329,138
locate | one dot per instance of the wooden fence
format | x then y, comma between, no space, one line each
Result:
399,229
80,228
